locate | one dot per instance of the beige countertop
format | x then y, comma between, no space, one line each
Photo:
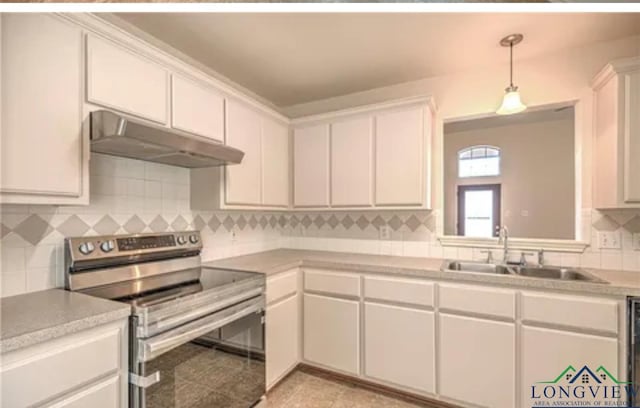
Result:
36,317
619,283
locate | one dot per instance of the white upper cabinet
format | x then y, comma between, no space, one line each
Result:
401,173
120,79
243,181
351,162
261,180
42,157
371,156
197,108
616,175
311,166
275,163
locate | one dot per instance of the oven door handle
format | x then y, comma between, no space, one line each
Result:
144,382
151,348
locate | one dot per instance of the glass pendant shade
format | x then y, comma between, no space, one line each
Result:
511,103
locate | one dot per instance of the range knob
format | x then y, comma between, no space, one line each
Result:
107,246
86,248
182,240
194,239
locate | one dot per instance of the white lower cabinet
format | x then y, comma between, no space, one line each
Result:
282,338
85,369
399,346
469,344
332,332
477,361
105,394
548,354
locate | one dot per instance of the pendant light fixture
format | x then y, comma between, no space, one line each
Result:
511,103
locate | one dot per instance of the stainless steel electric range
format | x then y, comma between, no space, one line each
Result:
196,333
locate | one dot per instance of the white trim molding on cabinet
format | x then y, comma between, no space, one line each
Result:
616,150
371,157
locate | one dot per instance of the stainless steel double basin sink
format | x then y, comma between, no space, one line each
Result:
528,271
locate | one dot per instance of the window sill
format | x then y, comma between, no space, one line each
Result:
553,245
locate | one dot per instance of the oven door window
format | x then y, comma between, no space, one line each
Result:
224,368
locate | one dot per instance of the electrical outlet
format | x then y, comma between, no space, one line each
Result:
636,241
385,232
609,240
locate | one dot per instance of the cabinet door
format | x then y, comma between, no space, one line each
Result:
399,346
631,82
400,157
477,361
197,108
105,394
311,166
121,79
243,132
550,355
282,338
331,333
275,163
42,147
351,157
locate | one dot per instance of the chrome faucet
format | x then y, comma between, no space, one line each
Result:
503,238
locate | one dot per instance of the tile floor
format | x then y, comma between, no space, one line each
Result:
302,389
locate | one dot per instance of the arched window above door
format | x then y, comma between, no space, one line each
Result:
479,161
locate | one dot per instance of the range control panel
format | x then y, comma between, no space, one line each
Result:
89,248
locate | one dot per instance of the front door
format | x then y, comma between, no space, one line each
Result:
479,210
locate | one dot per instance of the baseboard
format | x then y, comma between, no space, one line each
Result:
370,385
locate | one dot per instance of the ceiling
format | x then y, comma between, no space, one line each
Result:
292,58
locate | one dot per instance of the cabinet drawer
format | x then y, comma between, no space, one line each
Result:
399,290
59,370
573,311
472,299
282,285
336,283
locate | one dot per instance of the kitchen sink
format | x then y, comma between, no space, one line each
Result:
540,272
478,267
548,272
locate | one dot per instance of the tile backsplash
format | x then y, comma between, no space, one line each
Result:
129,196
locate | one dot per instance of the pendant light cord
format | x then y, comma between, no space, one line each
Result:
511,64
